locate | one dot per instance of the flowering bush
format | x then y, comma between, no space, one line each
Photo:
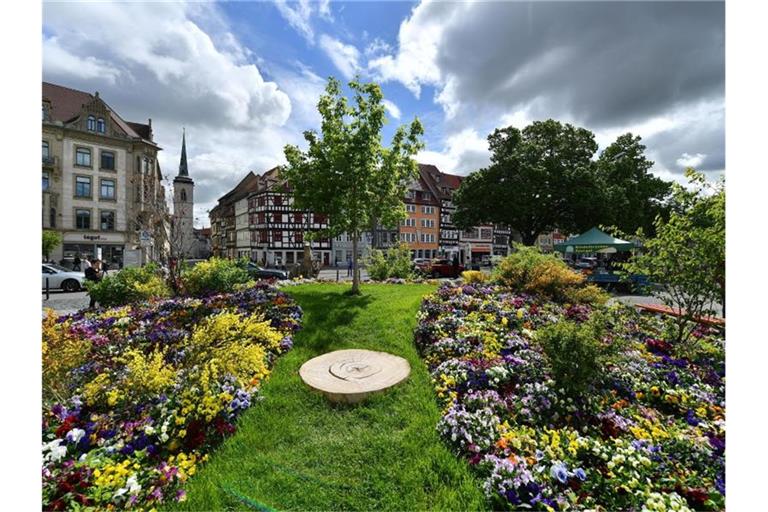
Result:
216,275
528,270
647,432
132,284
395,262
473,277
135,397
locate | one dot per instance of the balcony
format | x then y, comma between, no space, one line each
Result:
49,162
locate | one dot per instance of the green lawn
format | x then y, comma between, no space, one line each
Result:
295,450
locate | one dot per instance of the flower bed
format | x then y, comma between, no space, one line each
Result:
649,434
135,397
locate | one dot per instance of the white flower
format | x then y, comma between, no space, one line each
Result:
56,450
75,435
133,484
149,430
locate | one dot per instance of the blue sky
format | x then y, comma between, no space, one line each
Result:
243,78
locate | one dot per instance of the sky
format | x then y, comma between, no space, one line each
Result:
243,78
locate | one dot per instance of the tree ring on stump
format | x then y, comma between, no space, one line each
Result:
352,375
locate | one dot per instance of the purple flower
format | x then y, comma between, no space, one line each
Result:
580,474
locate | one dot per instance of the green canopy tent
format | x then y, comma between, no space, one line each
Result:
594,241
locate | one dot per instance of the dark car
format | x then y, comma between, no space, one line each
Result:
444,268
258,272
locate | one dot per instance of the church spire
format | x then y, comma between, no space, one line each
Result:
183,171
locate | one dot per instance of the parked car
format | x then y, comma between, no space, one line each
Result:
258,272
444,268
62,278
421,264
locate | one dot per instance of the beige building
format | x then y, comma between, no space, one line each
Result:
101,180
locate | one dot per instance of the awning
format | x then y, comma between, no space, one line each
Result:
594,241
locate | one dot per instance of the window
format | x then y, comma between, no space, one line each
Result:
52,220
107,189
277,236
262,236
298,218
101,126
262,220
107,221
91,124
410,208
45,180
108,160
320,218
82,186
261,201
427,209
46,150
278,200
83,157
183,195
82,219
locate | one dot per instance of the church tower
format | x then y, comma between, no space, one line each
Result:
182,238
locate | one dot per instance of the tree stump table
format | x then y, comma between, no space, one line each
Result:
352,375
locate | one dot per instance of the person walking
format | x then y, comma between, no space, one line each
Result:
93,274
349,267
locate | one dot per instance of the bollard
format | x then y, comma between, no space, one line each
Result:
47,289
337,275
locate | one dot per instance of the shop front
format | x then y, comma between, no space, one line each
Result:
481,254
108,247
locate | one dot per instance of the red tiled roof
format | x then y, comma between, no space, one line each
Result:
144,130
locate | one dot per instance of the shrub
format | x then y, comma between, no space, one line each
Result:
129,285
577,353
392,263
528,270
473,277
589,294
216,275
63,351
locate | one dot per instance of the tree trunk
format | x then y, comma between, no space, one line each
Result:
529,238
355,275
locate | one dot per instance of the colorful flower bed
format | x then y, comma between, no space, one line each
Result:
135,397
649,435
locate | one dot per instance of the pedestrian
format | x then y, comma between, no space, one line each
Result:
76,264
349,267
86,264
93,274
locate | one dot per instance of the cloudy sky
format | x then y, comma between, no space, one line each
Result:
244,77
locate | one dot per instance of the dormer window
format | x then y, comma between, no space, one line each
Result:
101,126
91,125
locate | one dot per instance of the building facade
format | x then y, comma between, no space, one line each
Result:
421,229
223,218
342,247
242,229
102,184
278,229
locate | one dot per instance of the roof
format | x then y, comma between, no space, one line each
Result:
203,231
247,185
67,103
437,180
592,241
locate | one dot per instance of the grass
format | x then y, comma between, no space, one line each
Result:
296,451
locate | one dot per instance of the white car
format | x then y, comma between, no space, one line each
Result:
63,278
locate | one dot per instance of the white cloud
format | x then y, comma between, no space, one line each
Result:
344,56
464,152
687,160
324,9
58,60
298,15
377,47
393,109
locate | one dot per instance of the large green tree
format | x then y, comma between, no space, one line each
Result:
540,178
686,258
634,196
346,173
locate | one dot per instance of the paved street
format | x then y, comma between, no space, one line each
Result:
63,302
649,299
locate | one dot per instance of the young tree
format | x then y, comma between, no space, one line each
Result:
540,178
687,255
346,173
51,240
634,196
